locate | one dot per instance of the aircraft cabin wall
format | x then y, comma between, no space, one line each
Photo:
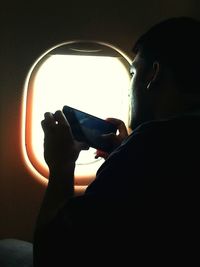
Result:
28,32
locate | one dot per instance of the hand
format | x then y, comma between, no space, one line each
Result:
60,148
114,140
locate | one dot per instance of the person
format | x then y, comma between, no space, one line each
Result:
143,202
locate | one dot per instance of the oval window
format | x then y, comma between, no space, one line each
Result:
87,75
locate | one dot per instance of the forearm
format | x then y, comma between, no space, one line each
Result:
59,190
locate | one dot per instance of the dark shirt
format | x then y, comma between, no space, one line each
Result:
142,202
158,156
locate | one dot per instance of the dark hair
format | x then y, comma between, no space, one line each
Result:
175,42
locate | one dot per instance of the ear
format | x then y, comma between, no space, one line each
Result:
154,74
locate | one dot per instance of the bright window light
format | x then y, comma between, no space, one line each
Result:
95,84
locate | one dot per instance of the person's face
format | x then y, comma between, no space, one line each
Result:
139,99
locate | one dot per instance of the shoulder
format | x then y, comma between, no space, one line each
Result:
172,127
155,149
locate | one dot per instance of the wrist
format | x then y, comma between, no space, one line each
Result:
62,176
62,169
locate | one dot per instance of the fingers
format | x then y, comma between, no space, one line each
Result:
114,140
53,120
120,126
60,118
48,122
101,154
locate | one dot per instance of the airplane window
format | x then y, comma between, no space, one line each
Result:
90,76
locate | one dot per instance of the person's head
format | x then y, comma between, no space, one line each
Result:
166,70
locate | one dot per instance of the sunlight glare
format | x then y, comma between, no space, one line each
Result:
95,84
